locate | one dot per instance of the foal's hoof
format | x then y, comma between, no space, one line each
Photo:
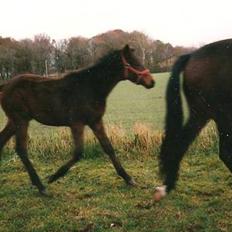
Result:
160,193
44,193
131,182
51,179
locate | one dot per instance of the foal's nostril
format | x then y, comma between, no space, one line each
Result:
152,83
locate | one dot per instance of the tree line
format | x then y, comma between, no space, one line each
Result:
43,55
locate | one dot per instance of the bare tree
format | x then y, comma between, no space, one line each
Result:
43,55
42,49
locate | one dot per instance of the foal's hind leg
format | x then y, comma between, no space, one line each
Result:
6,134
225,141
99,131
173,150
21,149
77,132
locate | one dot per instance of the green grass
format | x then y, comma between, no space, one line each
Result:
91,197
130,103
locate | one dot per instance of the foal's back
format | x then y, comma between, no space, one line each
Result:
32,96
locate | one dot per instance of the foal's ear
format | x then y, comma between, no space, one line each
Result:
126,49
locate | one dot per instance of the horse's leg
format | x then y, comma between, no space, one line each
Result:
99,132
77,133
225,141
174,148
21,149
6,134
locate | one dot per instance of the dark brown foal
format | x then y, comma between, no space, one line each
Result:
76,100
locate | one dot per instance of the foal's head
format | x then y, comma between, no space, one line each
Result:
134,70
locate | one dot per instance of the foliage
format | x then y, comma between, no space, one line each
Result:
43,55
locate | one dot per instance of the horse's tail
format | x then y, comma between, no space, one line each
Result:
168,159
174,113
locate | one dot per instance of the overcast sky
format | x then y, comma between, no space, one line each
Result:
180,22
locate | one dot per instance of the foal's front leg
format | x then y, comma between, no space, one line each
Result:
99,131
77,133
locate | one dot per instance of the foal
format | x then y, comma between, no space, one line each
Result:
76,100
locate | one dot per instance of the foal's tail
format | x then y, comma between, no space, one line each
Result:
174,111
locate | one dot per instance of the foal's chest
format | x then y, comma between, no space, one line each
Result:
98,108
90,112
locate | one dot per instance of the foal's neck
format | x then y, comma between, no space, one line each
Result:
104,80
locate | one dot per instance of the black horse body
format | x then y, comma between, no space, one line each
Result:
207,85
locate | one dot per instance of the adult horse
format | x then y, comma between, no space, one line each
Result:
76,100
207,84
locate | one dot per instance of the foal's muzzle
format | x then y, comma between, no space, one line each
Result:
146,81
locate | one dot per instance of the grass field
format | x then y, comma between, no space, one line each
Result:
130,103
93,198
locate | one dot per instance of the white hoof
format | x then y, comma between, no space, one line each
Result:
160,192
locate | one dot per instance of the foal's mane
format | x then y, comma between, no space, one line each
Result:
112,57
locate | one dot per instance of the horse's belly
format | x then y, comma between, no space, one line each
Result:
50,120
